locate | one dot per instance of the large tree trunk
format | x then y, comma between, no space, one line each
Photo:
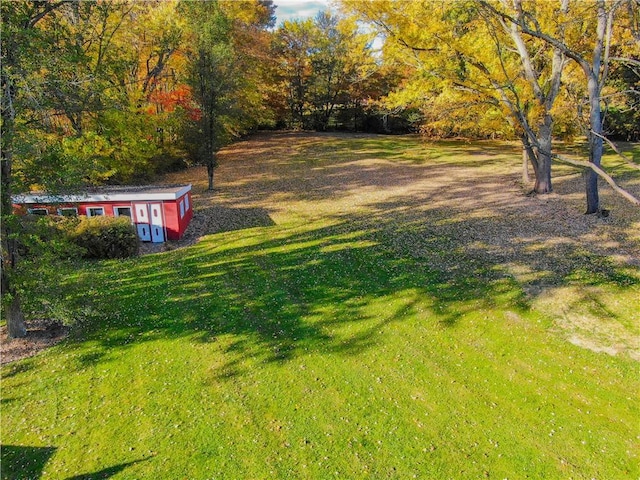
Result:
543,179
13,313
541,157
596,74
593,198
11,300
16,327
595,146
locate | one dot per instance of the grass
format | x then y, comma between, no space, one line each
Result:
368,341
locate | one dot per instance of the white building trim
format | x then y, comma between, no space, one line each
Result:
145,195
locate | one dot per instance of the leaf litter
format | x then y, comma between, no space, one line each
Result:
452,212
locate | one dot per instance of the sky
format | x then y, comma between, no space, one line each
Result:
298,9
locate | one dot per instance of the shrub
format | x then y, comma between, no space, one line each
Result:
46,237
106,237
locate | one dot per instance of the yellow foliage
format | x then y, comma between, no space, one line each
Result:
462,57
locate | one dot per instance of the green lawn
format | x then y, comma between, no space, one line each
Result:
359,334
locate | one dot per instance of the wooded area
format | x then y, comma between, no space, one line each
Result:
115,92
109,92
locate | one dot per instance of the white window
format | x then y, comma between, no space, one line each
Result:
181,208
95,211
68,211
186,202
38,211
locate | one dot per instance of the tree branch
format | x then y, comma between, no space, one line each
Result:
630,61
49,7
617,150
554,42
601,173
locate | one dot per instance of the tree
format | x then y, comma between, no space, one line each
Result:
323,66
19,21
329,67
292,47
542,67
85,95
70,113
222,87
472,74
592,55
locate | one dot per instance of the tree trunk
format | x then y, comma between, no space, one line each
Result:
543,175
525,166
210,170
13,313
11,300
543,181
16,327
595,146
543,164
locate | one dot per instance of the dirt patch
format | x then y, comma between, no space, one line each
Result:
41,334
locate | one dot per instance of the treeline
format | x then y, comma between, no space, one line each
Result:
328,77
116,91
467,65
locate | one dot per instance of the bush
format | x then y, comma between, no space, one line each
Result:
45,237
106,237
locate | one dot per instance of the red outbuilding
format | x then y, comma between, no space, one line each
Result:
159,212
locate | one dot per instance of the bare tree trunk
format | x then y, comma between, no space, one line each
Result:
596,76
11,300
543,167
210,170
543,179
595,147
13,313
16,327
525,166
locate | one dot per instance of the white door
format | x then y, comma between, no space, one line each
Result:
142,212
157,225
142,221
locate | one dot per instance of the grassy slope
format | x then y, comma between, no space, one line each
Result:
358,336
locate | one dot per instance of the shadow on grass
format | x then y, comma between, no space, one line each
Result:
219,218
16,368
292,293
20,462
331,287
288,294
106,472
331,166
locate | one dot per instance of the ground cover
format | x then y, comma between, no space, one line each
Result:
354,307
